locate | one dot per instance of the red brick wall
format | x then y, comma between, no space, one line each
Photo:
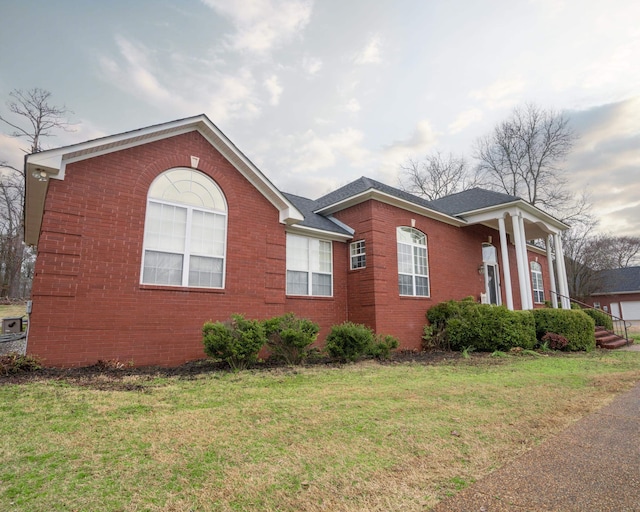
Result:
607,300
454,257
88,303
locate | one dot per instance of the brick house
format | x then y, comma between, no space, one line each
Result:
619,293
144,236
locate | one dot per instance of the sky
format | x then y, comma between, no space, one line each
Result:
320,92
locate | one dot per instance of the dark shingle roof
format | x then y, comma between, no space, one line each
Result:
620,280
362,185
471,200
311,219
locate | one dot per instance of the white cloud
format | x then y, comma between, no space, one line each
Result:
261,25
353,105
274,88
501,93
464,119
370,54
311,65
180,88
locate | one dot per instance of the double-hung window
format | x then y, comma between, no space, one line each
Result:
309,266
185,231
413,265
358,255
536,281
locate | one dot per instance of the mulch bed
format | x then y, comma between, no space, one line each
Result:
112,375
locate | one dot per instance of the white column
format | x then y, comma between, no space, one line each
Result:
552,277
522,276
562,273
527,268
506,270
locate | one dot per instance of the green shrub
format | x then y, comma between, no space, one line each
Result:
575,325
349,341
382,346
289,337
490,328
600,317
236,341
13,363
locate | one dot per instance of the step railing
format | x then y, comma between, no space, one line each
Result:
619,325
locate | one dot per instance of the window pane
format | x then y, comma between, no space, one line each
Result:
205,272
405,261
321,284
207,233
324,257
405,284
420,261
297,283
297,253
162,268
165,227
422,286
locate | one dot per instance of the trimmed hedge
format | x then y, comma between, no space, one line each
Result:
289,337
490,328
601,318
349,341
236,341
575,325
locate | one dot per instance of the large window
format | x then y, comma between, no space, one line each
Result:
185,231
536,281
358,255
413,265
309,266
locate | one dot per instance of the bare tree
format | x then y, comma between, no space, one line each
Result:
436,176
523,156
30,117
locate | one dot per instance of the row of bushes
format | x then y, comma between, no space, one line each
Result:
238,341
454,325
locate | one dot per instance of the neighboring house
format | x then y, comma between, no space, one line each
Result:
144,236
619,293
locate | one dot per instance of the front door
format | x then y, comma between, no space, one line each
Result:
491,274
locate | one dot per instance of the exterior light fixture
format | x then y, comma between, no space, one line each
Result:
39,174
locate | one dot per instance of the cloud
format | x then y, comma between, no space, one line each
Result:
275,89
606,162
311,65
353,105
261,25
181,87
501,93
464,119
370,54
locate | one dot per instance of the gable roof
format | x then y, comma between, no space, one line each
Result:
619,280
365,188
51,164
312,220
472,200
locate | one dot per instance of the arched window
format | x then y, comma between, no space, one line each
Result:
536,281
413,264
185,231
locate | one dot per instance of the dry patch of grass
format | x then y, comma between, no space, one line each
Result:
12,310
359,437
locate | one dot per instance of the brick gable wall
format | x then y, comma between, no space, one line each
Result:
88,303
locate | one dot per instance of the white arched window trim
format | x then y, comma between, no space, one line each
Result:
185,235
413,262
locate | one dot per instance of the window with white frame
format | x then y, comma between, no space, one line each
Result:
413,265
185,231
358,255
309,266
536,281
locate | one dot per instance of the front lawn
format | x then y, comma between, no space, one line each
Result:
367,436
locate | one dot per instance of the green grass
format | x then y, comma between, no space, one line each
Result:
358,437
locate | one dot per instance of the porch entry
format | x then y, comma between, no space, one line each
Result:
491,274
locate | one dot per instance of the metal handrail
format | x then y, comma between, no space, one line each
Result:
615,320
